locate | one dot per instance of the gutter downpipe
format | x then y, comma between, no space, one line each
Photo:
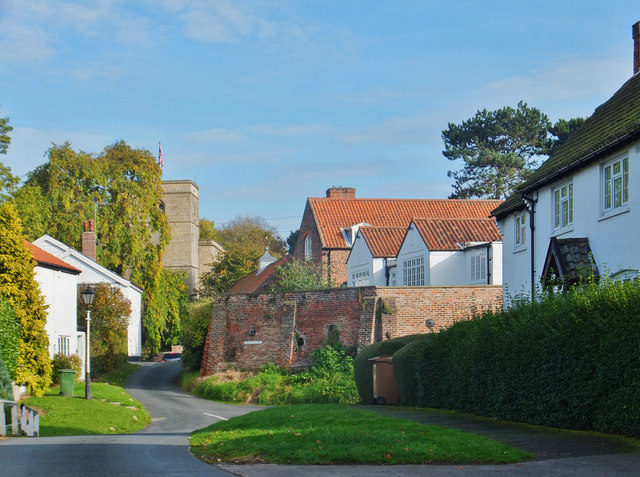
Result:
530,203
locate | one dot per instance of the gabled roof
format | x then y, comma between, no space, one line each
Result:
613,125
258,281
383,242
84,263
46,260
333,214
452,234
570,260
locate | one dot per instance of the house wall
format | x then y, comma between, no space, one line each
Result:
287,328
613,239
60,294
448,268
360,260
412,247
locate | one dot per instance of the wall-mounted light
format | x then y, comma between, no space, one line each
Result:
429,323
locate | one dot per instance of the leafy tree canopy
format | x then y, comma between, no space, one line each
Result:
291,241
562,129
251,235
5,139
300,275
207,229
499,148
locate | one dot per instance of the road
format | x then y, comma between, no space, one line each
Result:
161,449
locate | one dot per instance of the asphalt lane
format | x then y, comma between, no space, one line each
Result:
161,449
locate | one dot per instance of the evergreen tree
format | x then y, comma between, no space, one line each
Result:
20,289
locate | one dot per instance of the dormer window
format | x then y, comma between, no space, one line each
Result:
349,233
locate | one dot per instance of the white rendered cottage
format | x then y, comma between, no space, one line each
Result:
92,272
58,283
578,216
372,260
464,251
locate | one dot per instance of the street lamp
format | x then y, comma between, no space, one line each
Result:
87,295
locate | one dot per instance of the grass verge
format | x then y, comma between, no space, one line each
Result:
109,411
334,434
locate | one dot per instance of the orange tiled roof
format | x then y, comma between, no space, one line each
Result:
332,214
45,259
383,241
253,281
447,234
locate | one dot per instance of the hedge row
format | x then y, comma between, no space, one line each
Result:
570,361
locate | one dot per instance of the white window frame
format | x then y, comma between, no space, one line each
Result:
64,345
361,279
413,272
615,186
308,248
562,203
478,266
520,231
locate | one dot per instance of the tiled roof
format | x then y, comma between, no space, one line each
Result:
258,282
573,259
383,241
331,215
45,259
449,234
612,125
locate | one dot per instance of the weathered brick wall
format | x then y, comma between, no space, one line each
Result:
287,328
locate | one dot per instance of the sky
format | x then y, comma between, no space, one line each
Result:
264,103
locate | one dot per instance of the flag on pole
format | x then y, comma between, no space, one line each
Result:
160,154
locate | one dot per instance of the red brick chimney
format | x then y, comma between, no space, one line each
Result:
636,47
341,193
89,240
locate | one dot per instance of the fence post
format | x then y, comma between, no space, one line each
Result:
3,420
14,419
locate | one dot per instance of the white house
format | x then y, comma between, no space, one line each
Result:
92,272
372,260
456,251
578,216
58,282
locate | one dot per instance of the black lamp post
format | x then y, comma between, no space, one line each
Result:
87,295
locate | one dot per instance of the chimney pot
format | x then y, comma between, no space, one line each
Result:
635,29
89,240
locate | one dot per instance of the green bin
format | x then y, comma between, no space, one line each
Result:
67,381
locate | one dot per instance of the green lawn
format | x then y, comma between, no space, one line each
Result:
334,434
109,411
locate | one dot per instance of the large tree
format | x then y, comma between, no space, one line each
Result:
120,188
244,240
5,139
21,291
499,149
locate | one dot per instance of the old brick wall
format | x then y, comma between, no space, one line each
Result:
249,330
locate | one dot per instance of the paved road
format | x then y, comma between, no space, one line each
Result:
159,450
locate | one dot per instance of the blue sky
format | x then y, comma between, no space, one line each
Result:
264,103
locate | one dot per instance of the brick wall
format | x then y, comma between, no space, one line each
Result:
247,331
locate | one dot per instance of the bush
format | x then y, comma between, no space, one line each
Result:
5,383
405,367
194,332
569,361
363,369
61,361
9,337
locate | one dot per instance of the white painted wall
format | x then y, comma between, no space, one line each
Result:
59,291
93,273
360,260
448,268
413,247
614,240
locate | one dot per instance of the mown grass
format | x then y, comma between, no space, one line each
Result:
109,411
334,434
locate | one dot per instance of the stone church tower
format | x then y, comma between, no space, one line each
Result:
186,252
180,202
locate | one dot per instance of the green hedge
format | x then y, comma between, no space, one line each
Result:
363,369
195,324
9,337
570,361
405,367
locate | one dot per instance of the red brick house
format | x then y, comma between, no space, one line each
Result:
330,224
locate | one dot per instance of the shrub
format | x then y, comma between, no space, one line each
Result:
9,337
363,369
571,361
5,383
405,367
61,361
195,324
